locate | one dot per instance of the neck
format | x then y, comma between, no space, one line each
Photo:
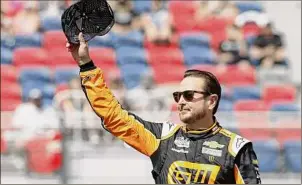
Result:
202,124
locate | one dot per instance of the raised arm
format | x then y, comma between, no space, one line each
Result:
142,135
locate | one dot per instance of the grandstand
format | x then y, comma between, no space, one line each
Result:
260,103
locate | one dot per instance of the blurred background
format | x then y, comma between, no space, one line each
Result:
49,134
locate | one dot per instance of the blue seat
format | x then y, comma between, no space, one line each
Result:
249,6
102,41
225,105
48,92
226,93
285,107
268,153
131,74
198,55
194,39
285,111
292,152
63,75
35,77
6,55
131,55
142,6
250,40
132,39
8,42
32,40
246,92
49,23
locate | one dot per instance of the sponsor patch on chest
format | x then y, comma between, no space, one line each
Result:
182,142
210,151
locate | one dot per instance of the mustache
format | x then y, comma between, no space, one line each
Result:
183,107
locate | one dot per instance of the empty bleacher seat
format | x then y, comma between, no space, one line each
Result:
251,105
9,74
51,23
54,40
65,74
284,92
198,55
246,92
59,58
131,55
268,152
132,39
29,56
104,58
131,73
28,40
6,55
10,96
142,6
165,56
292,152
164,75
102,41
233,75
199,39
249,6
225,105
48,93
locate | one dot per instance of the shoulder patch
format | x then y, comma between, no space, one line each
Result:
169,129
236,143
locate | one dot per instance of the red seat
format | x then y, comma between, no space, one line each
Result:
284,93
103,57
165,56
252,114
234,75
180,11
10,96
205,67
9,74
60,58
255,134
54,40
287,134
163,74
29,57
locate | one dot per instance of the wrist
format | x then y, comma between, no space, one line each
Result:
87,66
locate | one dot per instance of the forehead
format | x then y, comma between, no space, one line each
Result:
192,83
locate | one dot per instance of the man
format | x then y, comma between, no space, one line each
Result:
200,151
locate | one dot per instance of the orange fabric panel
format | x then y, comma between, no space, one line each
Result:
116,120
238,177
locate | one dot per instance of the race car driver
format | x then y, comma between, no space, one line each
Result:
200,151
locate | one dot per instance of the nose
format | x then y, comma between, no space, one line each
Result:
181,103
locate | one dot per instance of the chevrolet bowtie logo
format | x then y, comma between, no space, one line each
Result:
213,144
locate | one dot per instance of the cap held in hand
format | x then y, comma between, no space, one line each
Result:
91,17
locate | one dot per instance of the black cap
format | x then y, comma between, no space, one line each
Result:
91,17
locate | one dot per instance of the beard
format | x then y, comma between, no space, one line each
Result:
189,117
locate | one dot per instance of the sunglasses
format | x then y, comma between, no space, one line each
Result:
187,95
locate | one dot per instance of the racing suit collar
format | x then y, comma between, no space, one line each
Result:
204,132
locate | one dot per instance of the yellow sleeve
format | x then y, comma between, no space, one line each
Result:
139,134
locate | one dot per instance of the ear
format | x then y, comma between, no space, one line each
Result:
212,102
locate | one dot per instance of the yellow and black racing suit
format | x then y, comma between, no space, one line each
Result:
210,156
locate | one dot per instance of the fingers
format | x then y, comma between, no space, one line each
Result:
81,38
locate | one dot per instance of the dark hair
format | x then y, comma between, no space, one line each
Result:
212,86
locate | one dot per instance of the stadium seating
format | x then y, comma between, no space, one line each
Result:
249,6
9,74
102,41
131,73
126,55
28,40
30,56
246,92
268,153
131,39
198,55
10,96
103,57
142,6
59,58
64,75
279,93
54,40
164,75
199,39
51,23
226,105
6,55
292,154
234,75
158,57
251,105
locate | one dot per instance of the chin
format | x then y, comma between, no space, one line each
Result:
186,118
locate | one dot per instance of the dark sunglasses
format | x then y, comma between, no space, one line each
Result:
187,95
